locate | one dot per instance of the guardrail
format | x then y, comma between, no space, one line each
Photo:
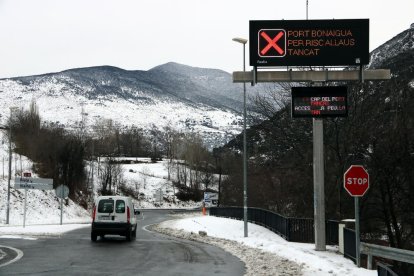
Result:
385,270
391,253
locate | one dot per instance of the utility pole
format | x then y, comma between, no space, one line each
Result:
319,185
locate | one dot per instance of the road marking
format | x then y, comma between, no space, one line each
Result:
18,257
17,237
145,228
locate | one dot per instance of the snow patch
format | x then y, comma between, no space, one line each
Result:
289,258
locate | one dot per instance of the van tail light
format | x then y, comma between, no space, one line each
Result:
128,215
93,213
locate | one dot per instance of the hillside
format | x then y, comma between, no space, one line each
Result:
140,175
188,99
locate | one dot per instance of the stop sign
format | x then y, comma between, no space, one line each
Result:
356,180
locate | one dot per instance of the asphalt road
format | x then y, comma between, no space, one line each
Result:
150,254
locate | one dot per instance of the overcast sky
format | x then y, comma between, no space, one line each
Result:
41,36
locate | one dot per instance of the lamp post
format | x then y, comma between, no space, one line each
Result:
10,157
244,41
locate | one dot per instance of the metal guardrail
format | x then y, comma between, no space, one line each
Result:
385,270
391,253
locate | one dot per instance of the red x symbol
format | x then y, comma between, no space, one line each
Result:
272,43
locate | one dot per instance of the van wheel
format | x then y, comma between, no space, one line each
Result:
134,234
94,236
129,235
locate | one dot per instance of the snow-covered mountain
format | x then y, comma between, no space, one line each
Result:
187,98
401,43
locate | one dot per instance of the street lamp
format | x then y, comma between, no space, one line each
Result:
10,157
244,41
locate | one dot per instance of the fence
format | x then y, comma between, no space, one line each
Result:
291,229
349,244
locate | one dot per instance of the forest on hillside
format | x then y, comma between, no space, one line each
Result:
62,154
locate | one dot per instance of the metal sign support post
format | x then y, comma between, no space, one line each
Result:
244,151
318,185
25,208
357,233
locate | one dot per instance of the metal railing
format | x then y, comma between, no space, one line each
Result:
349,244
291,229
385,270
396,254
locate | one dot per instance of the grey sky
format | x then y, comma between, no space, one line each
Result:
41,36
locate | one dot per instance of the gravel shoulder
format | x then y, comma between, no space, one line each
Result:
257,261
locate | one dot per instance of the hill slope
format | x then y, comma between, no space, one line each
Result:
187,98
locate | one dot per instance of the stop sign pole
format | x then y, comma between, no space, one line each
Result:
356,183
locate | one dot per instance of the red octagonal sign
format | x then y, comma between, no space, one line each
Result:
356,180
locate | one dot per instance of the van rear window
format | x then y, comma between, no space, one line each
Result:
120,206
106,206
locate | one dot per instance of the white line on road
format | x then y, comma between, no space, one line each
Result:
145,228
18,257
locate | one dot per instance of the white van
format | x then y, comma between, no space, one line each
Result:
114,215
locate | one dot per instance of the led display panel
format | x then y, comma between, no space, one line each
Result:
339,42
317,102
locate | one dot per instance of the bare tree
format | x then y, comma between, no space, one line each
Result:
111,176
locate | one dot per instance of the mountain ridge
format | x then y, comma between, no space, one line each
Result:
164,95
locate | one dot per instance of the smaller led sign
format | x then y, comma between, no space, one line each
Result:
323,101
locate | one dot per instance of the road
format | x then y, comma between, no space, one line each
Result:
150,254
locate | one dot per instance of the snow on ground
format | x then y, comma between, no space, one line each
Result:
287,257
32,231
43,207
146,178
